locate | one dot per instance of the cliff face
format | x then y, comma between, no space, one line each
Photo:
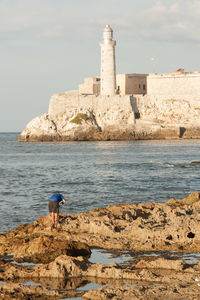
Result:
74,117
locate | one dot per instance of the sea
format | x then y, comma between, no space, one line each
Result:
91,175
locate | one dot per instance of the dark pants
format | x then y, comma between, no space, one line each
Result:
53,206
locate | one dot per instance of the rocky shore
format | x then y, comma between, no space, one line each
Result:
37,263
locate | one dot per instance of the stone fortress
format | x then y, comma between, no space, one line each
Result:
122,106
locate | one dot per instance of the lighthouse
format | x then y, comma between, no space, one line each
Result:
108,72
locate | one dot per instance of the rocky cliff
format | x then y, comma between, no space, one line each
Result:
78,117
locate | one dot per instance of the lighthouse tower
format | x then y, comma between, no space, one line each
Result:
108,73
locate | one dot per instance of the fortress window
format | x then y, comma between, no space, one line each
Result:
144,87
139,86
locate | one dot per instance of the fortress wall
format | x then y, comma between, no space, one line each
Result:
59,102
114,110
106,109
162,109
176,86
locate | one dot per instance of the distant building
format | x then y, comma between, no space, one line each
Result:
177,85
126,84
129,84
91,86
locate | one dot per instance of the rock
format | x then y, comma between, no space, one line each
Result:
23,292
27,246
144,291
160,263
172,226
157,276
41,128
150,269
157,272
195,163
192,199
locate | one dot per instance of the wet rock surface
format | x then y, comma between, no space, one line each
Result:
20,291
149,277
62,254
144,291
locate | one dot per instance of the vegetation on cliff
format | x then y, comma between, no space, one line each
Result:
80,117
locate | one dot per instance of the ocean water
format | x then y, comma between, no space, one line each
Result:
91,175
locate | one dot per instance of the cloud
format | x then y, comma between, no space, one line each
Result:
176,22
46,19
19,15
56,31
172,20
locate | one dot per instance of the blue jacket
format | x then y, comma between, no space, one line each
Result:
57,197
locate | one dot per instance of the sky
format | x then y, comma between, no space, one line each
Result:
49,46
